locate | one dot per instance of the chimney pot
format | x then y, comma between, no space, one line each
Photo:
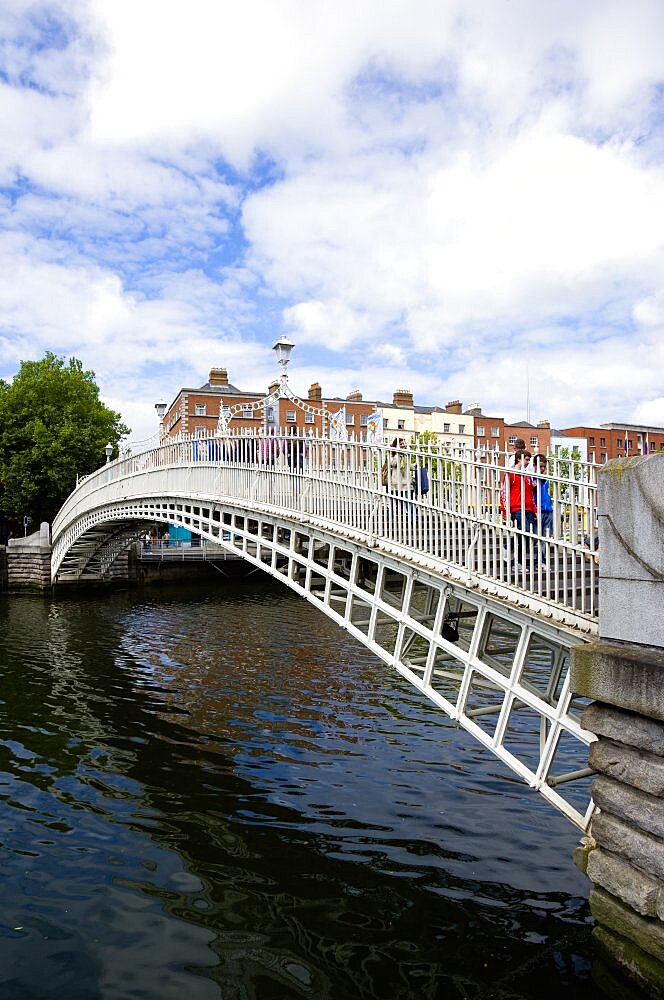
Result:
402,397
218,376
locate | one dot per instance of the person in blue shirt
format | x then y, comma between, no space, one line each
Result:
542,498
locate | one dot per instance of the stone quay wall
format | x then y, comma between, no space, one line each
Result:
623,673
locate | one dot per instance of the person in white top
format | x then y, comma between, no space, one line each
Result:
400,474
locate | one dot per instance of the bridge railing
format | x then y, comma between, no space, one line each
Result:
373,489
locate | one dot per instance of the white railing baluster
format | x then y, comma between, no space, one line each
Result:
458,522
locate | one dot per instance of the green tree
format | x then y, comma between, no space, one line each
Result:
566,464
445,473
52,426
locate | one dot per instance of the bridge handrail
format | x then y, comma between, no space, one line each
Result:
367,487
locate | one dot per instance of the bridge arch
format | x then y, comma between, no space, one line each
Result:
492,668
421,581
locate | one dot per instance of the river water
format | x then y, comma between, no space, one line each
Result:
217,793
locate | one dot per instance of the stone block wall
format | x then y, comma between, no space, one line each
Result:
29,561
631,529
624,857
119,569
623,673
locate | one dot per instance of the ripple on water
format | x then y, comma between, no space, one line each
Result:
219,793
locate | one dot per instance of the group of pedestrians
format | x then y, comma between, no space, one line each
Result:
525,497
293,448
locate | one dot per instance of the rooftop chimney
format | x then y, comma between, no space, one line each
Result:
315,392
475,410
218,376
544,424
454,406
403,397
273,386
355,396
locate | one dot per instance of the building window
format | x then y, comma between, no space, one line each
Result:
386,424
512,439
462,428
199,432
628,443
495,432
591,441
533,442
308,418
401,425
269,414
247,412
602,442
290,416
350,419
480,432
604,456
619,442
200,409
446,428
364,420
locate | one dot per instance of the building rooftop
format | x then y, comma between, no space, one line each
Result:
637,428
232,389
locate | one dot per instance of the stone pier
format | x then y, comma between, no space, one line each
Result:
623,672
29,561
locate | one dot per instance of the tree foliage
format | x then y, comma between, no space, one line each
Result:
53,426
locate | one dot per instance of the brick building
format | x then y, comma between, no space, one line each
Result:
614,440
196,411
495,434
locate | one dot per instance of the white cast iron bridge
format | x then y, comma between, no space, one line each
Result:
479,616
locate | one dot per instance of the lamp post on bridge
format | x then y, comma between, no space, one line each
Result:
109,451
283,349
161,410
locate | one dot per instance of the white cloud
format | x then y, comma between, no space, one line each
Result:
439,193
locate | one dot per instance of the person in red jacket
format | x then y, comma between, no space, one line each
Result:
518,492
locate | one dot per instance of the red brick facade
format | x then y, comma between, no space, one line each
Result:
618,440
196,411
495,434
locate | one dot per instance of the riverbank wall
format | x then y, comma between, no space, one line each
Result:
623,672
154,572
25,566
29,561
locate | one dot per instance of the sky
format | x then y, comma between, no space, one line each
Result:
464,199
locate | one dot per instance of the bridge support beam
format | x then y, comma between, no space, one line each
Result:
624,675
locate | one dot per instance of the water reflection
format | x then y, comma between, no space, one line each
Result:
219,794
